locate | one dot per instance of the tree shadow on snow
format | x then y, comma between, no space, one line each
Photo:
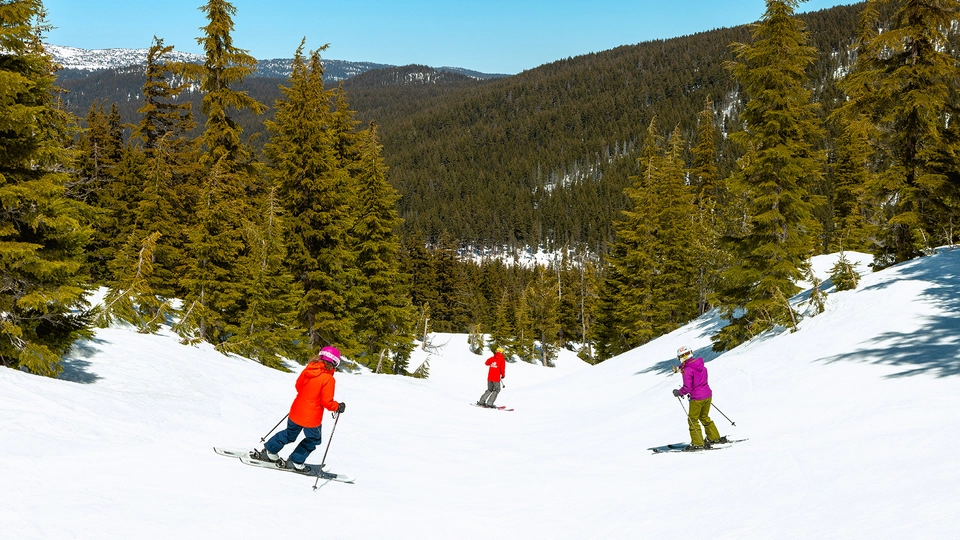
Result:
934,347
76,366
708,326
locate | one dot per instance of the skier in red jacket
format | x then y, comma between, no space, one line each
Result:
315,387
498,370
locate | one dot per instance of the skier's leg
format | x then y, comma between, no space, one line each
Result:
494,390
311,438
693,418
712,433
283,438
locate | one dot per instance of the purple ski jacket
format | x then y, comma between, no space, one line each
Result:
695,380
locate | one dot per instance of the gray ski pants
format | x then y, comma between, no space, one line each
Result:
488,397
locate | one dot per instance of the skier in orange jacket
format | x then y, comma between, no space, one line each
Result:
498,370
315,388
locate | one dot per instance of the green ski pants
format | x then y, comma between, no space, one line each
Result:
700,414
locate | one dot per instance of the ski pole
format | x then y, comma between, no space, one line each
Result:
336,418
264,438
682,407
725,416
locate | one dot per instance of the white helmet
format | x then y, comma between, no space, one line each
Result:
684,352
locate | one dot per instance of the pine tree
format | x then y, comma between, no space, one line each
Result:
904,85
543,302
268,332
502,332
216,274
523,346
41,235
170,172
624,317
130,298
676,275
384,313
856,210
781,162
99,166
844,274
713,208
318,196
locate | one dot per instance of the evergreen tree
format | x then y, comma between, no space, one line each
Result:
676,274
385,314
170,171
501,331
523,346
99,154
624,317
317,194
216,274
130,298
844,274
855,208
781,162
267,331
41,235
543,302
904,84
417,262
705,175
714,211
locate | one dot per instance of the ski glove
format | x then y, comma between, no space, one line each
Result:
676,392
341,407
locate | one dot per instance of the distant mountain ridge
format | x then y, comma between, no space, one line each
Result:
81,62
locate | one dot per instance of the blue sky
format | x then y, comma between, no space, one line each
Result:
492,36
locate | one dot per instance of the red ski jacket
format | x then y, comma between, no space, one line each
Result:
315,387
498,367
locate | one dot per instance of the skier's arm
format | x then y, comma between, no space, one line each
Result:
687,382
326,395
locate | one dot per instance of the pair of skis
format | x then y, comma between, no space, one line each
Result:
499,407
682,447
247,456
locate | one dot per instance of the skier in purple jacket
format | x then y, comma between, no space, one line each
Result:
695,384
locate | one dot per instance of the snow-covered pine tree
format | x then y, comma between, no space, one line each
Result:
782,160
42,237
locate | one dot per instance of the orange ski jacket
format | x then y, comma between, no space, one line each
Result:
315,387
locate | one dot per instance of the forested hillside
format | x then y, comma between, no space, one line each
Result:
664,179
540,158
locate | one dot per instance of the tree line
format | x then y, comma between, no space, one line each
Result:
710,190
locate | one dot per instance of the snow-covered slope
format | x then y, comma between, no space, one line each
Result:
851,428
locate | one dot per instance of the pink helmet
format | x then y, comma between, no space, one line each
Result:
330,355
684,352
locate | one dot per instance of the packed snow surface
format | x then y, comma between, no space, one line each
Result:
851,427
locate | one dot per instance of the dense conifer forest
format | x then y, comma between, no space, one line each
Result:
274,216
